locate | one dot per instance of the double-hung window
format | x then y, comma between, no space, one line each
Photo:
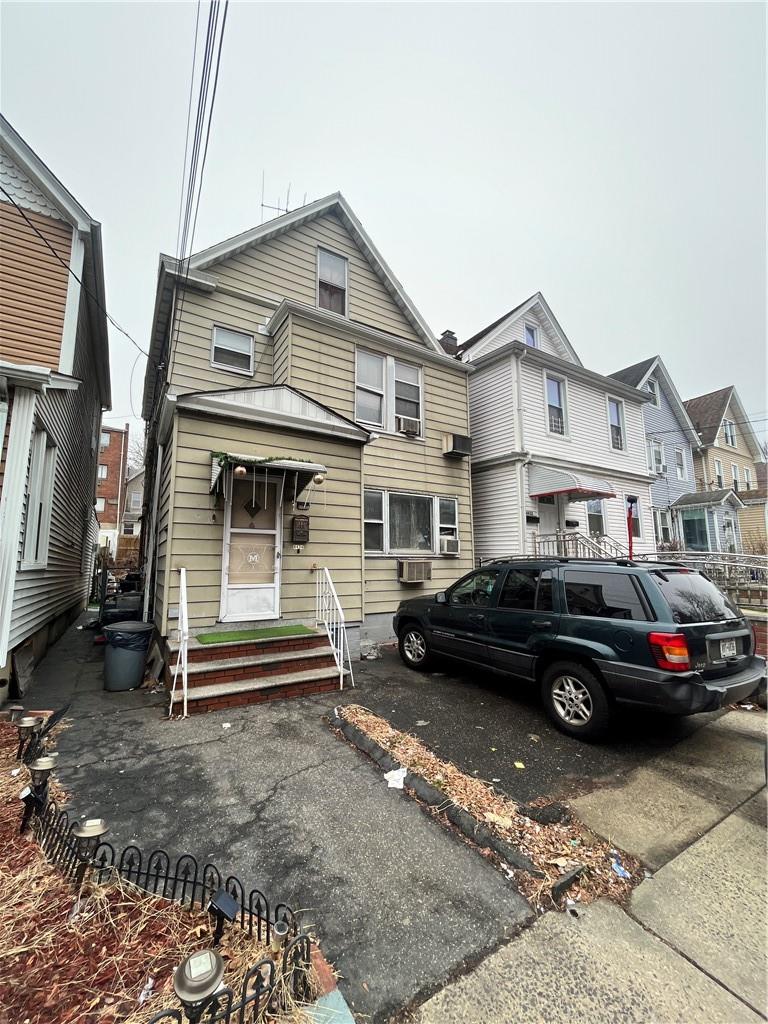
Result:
135,502
37,519
635,510
719,474
735,475
616,422
656,460
128,529
388,393
680,463
104,439
662,525
396,522
729,432
331,282
101,504
747,479
531,335
232,350
556,411
652,387
102,471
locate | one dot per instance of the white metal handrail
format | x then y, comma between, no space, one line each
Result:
181,660
330,615
723,566
573,544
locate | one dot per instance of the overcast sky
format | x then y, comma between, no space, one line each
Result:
612,157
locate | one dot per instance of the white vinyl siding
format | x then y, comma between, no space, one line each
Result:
546,338
492,410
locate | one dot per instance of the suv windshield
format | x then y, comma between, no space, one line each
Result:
692,597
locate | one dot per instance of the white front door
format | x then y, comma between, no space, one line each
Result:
251,557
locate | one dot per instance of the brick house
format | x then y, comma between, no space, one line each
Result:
111,474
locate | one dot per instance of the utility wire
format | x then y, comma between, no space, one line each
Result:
705,426
66,265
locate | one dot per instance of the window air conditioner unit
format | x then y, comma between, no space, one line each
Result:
663,469
408,426
450,546
457,446
412,571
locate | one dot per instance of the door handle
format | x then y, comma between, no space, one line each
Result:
541,623
476,617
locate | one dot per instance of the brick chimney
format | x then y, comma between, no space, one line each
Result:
449,342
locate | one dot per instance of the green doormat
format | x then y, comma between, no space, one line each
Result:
238,635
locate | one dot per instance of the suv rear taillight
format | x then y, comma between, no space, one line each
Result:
670,651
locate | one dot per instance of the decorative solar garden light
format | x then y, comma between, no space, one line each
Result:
37,797
26,726
224,907
15,712
87,838
196,980
279,935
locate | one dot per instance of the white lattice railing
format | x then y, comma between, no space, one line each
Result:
330,615
181,660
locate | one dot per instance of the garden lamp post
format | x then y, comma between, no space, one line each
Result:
87,839
15,712
35,801
196,980
224,907
25,726
279,935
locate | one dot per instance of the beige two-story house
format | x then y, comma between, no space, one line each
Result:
301,416
726,473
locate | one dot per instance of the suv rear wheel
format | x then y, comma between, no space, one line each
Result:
575,700
413,647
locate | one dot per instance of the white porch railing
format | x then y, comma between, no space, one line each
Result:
181,660
572,544
330,615
725,567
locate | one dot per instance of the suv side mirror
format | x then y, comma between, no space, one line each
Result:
441,598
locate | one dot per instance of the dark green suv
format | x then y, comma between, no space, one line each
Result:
593,634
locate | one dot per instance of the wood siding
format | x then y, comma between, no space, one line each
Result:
198,519
42,594
33,292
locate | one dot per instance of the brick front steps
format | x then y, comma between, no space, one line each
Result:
226,675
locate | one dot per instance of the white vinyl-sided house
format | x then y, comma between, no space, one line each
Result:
557,450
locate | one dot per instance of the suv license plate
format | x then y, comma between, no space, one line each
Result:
727,648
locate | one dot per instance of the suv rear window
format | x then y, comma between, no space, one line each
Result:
602,595
692,597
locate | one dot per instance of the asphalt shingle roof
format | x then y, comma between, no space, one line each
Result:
632,375
706,412
703,497
487,330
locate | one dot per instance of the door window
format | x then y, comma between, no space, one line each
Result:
527,590
476,590
602,595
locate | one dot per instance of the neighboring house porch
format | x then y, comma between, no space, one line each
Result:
709,520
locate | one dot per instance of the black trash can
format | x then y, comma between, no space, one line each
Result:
126,654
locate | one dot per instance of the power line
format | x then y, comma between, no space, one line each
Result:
69,270
705,426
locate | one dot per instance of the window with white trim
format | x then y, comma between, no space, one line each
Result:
655,457
135,502
556,410
104,439
388,393
232,350
719,474
663,525
680,463
331,282
102,471
531,335
729,432
652,387
735,475
39,501
747,479
636,522
616,422
128,529
397,522
100,504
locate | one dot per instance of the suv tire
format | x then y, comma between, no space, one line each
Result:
413,647
575,700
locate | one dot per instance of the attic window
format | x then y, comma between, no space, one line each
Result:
652,387
331,282
531,336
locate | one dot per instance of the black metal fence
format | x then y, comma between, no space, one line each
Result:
184,880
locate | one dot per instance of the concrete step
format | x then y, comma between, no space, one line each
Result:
229,670
257,690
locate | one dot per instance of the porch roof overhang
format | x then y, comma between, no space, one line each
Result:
708,499
304,470
544,481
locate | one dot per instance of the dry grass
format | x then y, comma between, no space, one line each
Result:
553,849
88,960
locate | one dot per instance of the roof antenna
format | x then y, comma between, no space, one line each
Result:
262,195
288,199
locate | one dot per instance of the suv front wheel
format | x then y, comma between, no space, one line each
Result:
413,646
575,700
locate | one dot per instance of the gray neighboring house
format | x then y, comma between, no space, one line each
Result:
134,501
671,441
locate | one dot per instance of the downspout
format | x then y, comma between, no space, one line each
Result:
517,357
123,436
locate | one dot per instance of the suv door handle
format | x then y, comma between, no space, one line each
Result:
541,623
476,617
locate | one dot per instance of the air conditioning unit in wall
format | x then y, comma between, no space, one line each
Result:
457,446
412,571
663,469
450,546
408,426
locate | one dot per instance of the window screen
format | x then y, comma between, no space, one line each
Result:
602,595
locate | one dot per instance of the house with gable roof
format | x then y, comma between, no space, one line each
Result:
557,449
671,441
725,467
301,418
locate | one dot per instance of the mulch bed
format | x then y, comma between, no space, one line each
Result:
104,957
554,849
